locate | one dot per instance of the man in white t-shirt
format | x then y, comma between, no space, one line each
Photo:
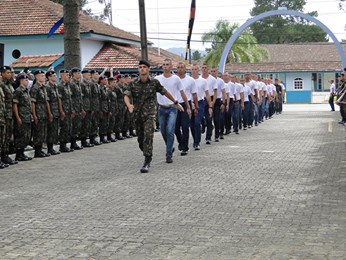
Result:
203,97
212,85
331,95
238,104
182,125
167,110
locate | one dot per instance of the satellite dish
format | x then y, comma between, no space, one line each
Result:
16,54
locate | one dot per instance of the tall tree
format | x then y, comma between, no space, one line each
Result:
196,55
285,29
342,4
245,48
72,51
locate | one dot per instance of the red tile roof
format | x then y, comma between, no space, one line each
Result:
35,61
32,17
124,57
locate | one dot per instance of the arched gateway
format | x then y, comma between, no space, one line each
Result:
273,13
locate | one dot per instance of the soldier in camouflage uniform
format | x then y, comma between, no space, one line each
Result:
127,115
22,116
7,88
143,93
56,110
86,97
2,125
119,119
40,112
95,107
113,107
66,103
77,108
104,109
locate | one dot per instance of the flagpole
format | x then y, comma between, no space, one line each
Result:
189,33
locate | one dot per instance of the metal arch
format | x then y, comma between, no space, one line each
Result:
272,13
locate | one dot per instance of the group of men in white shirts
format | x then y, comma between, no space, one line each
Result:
213,103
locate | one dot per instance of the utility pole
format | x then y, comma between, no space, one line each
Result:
143,30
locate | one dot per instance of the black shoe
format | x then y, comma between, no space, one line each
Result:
53,152
119,137
217,139
146,164
127,136
20,157
221,137
75,146
2,165
7,160
207,142
184,152
104,140
86,144
39,154
64,148
169,159
133,134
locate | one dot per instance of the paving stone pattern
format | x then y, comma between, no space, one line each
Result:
276,191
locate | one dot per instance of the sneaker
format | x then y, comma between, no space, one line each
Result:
244,128
169,159
197,148
221,137
184,152
217,139
207,142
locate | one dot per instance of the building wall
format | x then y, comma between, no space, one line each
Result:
89,49
302,95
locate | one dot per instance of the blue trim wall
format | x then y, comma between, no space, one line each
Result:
303,96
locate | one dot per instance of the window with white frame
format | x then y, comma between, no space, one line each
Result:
298,83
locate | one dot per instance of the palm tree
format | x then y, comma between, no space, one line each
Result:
245,48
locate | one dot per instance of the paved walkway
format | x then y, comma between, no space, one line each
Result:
277,191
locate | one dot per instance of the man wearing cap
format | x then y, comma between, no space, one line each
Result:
7,89
95,107
22,117
40,112
143,92
56,111
2,126
86,100
77,107
66,102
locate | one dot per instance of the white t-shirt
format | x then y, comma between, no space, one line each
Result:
212,84
247,91
238,88
230,87
220,86
332,88
202,87
282,86
190,88
253,85
173,84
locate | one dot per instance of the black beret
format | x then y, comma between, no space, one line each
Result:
121,76
22,76
4,68
126,76
345,69
75,69
134,75
36,72
50,73
93,71
64,71
111,79
86,71
102,77
144,62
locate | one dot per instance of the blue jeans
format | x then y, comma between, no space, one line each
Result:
235,116
182,126
168,117
246,114
209,122
196,123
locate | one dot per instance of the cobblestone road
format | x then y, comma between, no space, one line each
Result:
277,191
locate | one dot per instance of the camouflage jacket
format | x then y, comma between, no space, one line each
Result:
53,96
143,95
76,96
104,100
86,95
66,100
8,90
22,98
95,96
113,102
39,96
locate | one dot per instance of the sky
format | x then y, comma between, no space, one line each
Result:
167,21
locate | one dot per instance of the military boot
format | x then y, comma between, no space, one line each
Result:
64,148
7,159
74,145
146,164
38,152
93,140
85,143
19,156
118,136
51,150
111,138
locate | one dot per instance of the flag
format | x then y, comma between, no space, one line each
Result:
55,27
189,33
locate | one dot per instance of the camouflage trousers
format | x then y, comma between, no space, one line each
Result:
111,123
119,119
145,128
128,121
53,131
22,135
8,142
2,137
95,120
65,129
86,125
39,132
76,126
104,120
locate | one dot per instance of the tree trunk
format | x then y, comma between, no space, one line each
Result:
72,34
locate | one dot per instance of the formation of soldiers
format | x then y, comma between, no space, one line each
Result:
83,105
